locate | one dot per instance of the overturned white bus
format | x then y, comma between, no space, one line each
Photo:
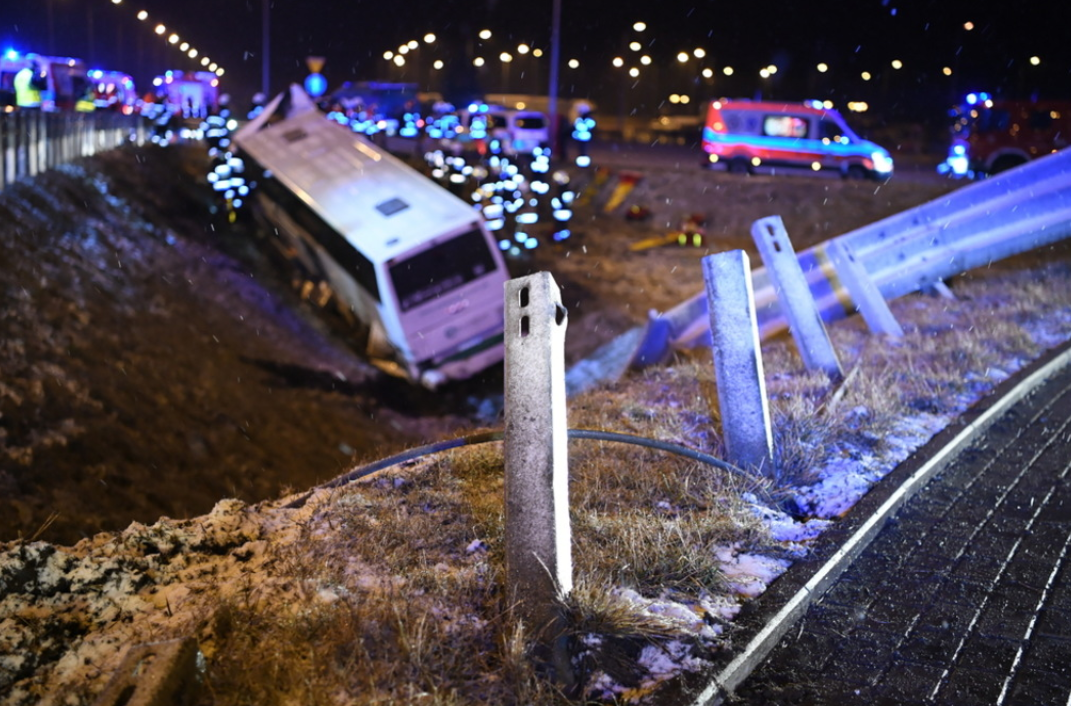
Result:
409,263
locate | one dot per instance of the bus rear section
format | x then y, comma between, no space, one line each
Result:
747,135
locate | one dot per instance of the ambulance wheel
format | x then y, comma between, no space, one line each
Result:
856,172
739,165
1003,164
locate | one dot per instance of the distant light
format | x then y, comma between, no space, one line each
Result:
972,98
822,68
438,65
947,71
429,38
639,26
866,76
505,57
412,44
205,60
708,73
685,100
574,64
478,61
160,29
523,49
674,98
485,34
728,71
388,55
220,71
755,161
699,52
682,57
173,39
143,15
968,25
403,49
645,60
213,66
827,104
816,166
765,73
897,64
537,53
635,46
1035,60
117,2
184,46
772,68
399,60
634,72
618,62
858,106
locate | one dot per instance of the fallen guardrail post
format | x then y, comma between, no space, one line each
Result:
794,294
745,413
538,539
865,294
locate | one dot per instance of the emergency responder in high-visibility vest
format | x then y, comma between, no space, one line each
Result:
87,102
27,87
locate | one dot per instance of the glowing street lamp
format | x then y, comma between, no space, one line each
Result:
1035,60
699,52
142,15
634,72
728,71
438,64
822,67
866,76
897,64
639,26
485,34
635,46
160,29
618,62
645,60
478,62
523,49
682,57
429,38
573,64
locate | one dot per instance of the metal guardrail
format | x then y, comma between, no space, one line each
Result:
1011,213
33,141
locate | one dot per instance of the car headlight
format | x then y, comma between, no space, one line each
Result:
882,162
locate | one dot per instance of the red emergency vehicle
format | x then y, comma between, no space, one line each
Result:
991,135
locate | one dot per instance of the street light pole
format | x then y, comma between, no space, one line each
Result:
552,93
265,46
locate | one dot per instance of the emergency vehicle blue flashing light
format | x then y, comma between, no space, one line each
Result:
528,218
531,243
504,244
583,160
561,235
972,98
11,54
520,236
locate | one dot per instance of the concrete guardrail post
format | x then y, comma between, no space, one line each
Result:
538,541
745,413
866,295
794,294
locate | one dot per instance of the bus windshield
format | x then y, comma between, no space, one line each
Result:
441,268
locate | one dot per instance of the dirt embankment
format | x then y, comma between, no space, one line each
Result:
153,362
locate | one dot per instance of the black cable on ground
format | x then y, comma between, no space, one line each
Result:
488,436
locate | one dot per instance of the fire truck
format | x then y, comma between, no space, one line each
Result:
992,135
191,95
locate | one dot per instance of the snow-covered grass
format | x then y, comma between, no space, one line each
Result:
390,590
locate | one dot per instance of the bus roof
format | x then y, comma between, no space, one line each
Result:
378,203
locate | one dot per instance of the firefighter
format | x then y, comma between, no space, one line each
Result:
29,82
583,127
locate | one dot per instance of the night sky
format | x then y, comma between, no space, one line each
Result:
851,36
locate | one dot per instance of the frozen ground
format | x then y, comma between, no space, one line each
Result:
151,367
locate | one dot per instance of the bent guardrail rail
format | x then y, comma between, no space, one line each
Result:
1011,213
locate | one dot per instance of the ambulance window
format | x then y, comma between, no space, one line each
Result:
830,130
785,126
